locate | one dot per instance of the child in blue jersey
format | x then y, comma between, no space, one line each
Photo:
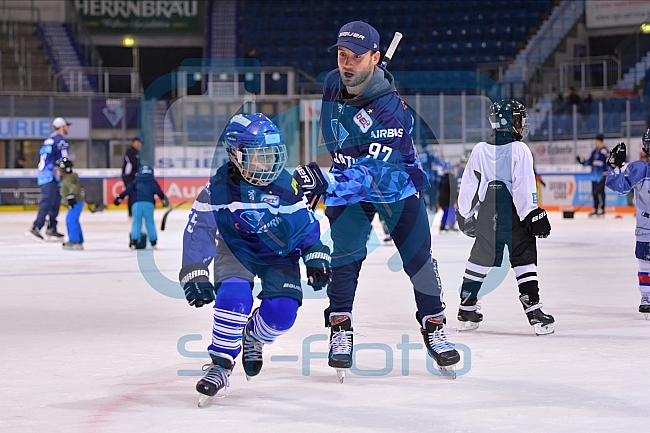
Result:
636,176
54,148
141,193
252,220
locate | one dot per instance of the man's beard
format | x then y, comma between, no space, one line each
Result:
358,78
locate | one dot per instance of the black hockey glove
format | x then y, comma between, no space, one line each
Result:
165,201
580,159
311,180
71,200
618,155
196,284
318,261
467,226
538,224
117,200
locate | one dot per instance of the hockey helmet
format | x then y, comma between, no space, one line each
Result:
510,115
145,169
255,147
65,165
646,142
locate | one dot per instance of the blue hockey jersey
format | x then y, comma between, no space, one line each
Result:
53,149
143,188
369,140
597,161
270,224
636,176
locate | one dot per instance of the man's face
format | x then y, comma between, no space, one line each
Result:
356,68
599,144
64,130
136,144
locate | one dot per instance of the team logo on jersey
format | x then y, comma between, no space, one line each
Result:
363,120
273,200
339,131
387,133
251,195
534,198
253,218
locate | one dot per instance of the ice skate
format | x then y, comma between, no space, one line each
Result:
442,351
252,358
53,236
340,354
644,307
543,323
73,246
216,377
34,234
468,315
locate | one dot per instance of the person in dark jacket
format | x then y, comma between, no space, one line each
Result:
597,162
141,193
130,166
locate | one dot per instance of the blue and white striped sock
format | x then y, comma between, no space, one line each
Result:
274,318
231,309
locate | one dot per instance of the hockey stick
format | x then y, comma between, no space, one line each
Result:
387,58
163,224
96,207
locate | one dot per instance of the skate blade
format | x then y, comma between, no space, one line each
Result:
467,326
544,329
204,400
448,371
34,238
647,316
52,239
340,374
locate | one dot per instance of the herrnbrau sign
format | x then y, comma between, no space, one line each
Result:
141,16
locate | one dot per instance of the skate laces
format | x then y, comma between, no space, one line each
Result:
217,375
341,342
253,350
438,341
645,300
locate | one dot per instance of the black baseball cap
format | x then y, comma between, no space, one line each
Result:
600,137
358,37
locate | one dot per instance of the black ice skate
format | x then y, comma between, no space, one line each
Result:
251,351
644,307
441,350
216,378
35,234
53,235
468,315
543,323
340,355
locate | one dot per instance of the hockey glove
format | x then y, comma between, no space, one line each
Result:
117,200
580,159
318,262
71,200
165,201
618,155
466,225
196,284
311,180
538,224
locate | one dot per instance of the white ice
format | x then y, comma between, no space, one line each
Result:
86,345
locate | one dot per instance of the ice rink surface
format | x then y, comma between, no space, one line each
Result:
87,345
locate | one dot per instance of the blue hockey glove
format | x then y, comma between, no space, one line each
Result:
537,223
317,261
618,156
195,280
117,200
466,225
311,180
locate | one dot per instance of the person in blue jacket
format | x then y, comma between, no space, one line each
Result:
597,161
636,177
54,148
368,128
251,219
141,193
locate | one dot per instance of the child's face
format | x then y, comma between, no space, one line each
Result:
260,160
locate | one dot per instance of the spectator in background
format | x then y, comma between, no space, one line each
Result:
585,105
597,162
54,148
130,167
20,162
572,99
558,104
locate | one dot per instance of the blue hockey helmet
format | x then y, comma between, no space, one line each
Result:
510,115
255,147
145,169
646,142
